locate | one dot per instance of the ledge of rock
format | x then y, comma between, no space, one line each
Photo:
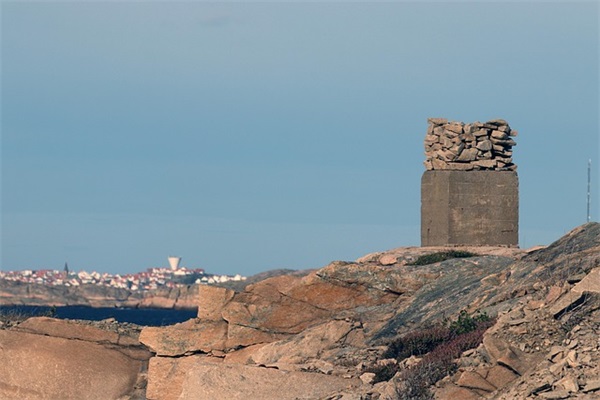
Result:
44,358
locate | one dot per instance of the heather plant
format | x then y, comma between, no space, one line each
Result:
416,380
422,341
419,342
439,345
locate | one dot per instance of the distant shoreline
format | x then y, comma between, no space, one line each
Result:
140,316
29,294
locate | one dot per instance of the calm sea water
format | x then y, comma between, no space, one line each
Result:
140,316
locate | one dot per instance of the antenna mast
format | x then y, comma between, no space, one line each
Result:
589,194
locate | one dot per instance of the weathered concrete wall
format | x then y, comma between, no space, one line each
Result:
469,208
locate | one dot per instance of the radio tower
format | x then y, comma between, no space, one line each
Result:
589,193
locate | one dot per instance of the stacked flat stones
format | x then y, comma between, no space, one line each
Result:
464,147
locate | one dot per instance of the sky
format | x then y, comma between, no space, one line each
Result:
248,136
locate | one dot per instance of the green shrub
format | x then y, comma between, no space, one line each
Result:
466,323
441,256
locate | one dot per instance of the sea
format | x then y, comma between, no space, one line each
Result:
139,316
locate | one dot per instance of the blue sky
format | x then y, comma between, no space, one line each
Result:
250,136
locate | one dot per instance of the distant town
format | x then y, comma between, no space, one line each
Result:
152,278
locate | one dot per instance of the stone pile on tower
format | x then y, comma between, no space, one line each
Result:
465,147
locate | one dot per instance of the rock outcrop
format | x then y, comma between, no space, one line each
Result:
337,322
45,358
283,306
327,334
545,343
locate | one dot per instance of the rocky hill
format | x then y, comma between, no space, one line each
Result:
502,324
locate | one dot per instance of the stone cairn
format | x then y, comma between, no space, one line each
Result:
464,147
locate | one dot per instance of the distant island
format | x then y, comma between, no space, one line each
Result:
155,287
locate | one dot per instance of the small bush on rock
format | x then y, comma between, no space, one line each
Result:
442,256
422,341
417,343
467,323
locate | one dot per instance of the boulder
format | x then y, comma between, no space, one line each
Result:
310,344
437,121
388,259
367,378
473,380
555,395
79,363
504,354
485,163
500,376
589,284
243,355
499,135
439,164
211,301
497,122
186,337
568,383
461,166
484,145
455,127
468,155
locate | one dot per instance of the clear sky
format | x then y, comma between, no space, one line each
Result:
251,136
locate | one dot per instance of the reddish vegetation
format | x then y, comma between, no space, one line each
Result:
440,345
438,363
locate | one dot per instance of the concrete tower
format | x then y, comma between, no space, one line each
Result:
174,262
470,191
